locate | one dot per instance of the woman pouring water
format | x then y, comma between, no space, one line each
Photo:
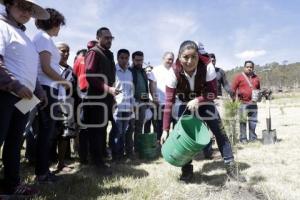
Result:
196,88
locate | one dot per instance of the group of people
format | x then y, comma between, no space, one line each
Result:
84,98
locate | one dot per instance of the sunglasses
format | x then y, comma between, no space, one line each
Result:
27,7
109,37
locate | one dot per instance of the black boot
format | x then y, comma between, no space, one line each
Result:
186,173
233,173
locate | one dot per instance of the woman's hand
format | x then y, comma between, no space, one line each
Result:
164,137
193,105
24,92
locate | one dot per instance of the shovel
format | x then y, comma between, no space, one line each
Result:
268,135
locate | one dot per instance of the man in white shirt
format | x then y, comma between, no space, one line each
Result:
124,107
160,74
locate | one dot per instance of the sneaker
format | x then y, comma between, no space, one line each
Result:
104,168
186,173
233,173
47,178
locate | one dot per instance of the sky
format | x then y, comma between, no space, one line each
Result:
235,30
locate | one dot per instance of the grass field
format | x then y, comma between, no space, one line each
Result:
271,170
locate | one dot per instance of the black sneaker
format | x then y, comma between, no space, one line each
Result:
104,168
186,173
233,173
47,178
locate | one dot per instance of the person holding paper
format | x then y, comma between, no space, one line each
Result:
50,79
18,75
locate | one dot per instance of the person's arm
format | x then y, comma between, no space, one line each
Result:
9,83
41,94
258,83
225,84
76,66
45,58
170,100
234,87
152,88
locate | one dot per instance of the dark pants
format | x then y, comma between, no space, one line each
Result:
139,122
46,133
157,121
209,114
82,135
83,145
129,137
31,131
96,118
12,126
248,111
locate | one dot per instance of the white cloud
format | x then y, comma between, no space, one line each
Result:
250,54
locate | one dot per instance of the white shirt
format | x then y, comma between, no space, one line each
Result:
19,53
161,76
65,73
124,82
43,42
210,75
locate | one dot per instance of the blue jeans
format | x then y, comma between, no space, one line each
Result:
209,114
248,111
46,134
118,133
12,126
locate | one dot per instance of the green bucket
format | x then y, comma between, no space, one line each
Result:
146,140
147,146
189,136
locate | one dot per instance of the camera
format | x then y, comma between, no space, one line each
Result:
267,93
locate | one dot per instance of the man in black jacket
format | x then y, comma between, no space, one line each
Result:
100,74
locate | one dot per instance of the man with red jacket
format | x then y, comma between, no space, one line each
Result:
242,86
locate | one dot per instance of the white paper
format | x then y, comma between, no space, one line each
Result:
25,105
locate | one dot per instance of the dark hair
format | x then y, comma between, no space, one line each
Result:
188,44
137,53
212,55
8,2
249,61
125,51
56,19
81,51
99,32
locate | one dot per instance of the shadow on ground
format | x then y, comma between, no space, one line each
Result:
214,180
215,165
74,186
86,182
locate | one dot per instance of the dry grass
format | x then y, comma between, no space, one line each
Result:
271,171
